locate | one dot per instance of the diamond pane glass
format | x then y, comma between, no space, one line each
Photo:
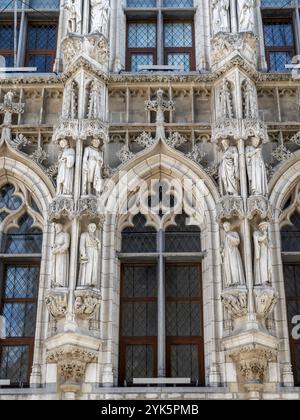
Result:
8,199
25,240
278,60
178,35
183,319
180,60
21,282
6,36
139,239
278,34
183,237
14,364
139,319
43,63
142,35
19,319
139,362
290,235
292,280
140,281
42,37
141,3
140,60
185,362
182,281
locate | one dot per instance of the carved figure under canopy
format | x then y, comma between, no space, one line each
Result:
262,261
60,252
89,257
229,170
232,260
93,161
256,168
66,165
100,10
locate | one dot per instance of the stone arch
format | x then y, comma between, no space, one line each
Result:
282,187
18,169
161,160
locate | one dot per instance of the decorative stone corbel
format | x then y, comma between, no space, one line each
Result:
90,207
71,364
61,207
57,303
235,300
230,207
265,300
259,207
87,303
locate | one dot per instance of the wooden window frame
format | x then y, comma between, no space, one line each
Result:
181,50
293,343
132,51
270,49
18,341
188,340
125,341
40,52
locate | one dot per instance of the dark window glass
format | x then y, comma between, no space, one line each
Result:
183,237
279,43
139,238
290,235
41,46
23,240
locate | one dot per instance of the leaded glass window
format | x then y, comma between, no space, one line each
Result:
7,43
290,236
178,44
41,46
20,249
279,43
141,44
141,295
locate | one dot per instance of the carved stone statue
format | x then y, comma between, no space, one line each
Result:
246,15
257,174
226,101
100,10
92,169
250,101
66,163
94,110
229,170
89,257
60,252
8,107
70,108
74,9
262,261
232,261
220,15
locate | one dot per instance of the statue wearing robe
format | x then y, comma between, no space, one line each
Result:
89,257
262,264
257,174
100,10
60,252
232,261
65,175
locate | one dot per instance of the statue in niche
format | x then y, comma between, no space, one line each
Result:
74,9
232,260
256,169
66,164
262,261
226,101
250,101
229,170
246,15
100,10
94,109
71,101
89,257
221,15
92,169
60,252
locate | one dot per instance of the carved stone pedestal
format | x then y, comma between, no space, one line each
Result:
251,351
229,208
87,304
71,353
62,207
265,300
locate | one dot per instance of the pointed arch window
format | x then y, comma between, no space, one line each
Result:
20,247
161,325
290,243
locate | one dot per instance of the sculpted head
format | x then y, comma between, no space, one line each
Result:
96,143
256,141
58,227
227,226
225,144
92,227
64,143
263,227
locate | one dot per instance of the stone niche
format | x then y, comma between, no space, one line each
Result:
289,104
267,104
117,106
202,105
137,99
183,101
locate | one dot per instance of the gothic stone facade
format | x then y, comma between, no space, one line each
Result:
188,100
